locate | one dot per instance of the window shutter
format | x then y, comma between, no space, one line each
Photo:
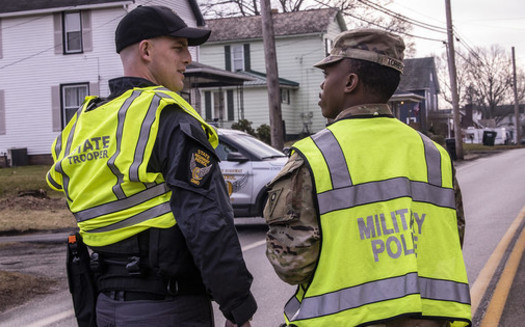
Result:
55,108
0,38
57,27
2,113
87,32
227,58
247,64
229,99
207,105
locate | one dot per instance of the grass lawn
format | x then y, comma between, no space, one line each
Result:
20,211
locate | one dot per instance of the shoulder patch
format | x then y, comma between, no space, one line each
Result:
200,166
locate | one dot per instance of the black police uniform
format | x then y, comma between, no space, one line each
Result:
200,257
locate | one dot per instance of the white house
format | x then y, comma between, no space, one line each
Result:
52,54
236,44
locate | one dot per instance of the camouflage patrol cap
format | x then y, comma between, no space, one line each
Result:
367,44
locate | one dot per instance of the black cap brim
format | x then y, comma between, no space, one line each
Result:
195,36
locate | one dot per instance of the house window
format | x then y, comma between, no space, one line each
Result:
72,32
328,46
72,98
285,96
219,106
237,57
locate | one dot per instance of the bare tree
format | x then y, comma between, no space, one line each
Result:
491,78
292,5
229,8
464,88
365,13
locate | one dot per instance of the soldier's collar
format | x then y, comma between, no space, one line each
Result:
375,109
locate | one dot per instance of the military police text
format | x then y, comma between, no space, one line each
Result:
376,225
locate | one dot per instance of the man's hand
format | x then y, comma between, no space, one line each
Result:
231,324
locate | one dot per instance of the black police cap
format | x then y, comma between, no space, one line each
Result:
146,22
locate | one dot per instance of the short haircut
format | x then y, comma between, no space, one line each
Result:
380,82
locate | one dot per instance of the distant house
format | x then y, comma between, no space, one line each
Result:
419,85
52,54
503,122
301,39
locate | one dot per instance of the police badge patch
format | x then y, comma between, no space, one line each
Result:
200,167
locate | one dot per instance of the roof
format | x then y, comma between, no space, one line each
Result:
9,6
291,23
201,75
260,79
416,74
15,6
401,96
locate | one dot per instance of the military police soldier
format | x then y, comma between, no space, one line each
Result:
141,177
363,216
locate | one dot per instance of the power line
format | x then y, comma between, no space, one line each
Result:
22,23
420,24
404,18
387,28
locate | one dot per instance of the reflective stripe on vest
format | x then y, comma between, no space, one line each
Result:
344,195
58,166
327,143
396,287
153,212
122,204
117,188
352,196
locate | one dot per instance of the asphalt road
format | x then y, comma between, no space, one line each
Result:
493,197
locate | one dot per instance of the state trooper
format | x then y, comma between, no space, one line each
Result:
363,216
141,177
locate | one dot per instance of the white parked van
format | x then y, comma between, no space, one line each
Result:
247,164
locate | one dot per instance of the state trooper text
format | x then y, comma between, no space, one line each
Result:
92,149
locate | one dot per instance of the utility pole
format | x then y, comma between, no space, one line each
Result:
272,80
453,85
516,103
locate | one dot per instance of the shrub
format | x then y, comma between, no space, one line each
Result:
244,125
264,133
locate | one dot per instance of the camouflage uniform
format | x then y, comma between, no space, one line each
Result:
293,238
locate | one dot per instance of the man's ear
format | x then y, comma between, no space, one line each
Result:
352,80
145,48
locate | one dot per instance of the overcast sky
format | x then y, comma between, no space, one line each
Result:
479,23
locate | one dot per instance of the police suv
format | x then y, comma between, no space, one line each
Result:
247,165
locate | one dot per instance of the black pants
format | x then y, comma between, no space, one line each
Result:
179,311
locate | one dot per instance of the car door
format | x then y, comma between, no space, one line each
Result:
238,176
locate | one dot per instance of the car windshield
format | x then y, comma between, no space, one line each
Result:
255,147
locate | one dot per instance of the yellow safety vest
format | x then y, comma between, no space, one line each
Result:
390,243
101,160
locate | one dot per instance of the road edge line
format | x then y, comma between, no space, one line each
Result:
501,292
478,289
